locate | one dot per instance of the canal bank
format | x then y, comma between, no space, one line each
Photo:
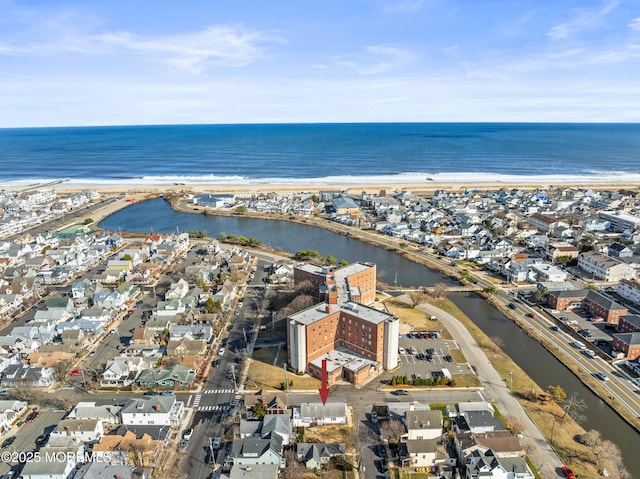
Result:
158,215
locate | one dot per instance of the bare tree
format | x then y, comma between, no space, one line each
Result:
294,469
440,290
393,430
418,297
61,369
515,424
574,407
25,393
609,452
593,440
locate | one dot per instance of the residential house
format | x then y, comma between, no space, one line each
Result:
488,466
604,267
320,414
103,470
315,455
71,456
152,411
501,443
423,425
629,290
10,411
85,430
252,451
122,371
191,331
127,449
176,377
107,414
22,375
186,347
477,422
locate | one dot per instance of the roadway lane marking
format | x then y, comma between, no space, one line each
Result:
196,401
189,400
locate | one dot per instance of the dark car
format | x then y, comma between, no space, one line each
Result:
400,392
421,357
512,305
429,358
382,451
8,441
431,351
42,439
216,363
448,358
555,328
150,393
32,416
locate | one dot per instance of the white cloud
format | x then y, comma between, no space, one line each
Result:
585,18
635,24
386,59
231,46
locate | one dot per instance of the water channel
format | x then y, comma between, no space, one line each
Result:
543,367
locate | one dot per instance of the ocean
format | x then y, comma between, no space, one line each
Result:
322,153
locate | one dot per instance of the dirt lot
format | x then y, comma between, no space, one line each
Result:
264,375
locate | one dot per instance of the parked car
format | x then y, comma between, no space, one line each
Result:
568,472
42,439
216,363
602,376
221,352
183,446
431,351
32,416
150,393
401,351
374,417
167,393
187,434
512,306
8,441
217,443
448,358
382,451
400,392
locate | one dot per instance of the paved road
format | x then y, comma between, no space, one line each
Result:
497,391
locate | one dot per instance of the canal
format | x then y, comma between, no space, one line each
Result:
537,362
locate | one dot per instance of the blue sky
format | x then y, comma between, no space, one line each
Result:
214,61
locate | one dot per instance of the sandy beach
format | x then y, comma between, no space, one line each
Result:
135,191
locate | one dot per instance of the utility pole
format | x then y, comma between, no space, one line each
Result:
511,378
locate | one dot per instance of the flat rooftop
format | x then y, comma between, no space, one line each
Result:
343,358
319,311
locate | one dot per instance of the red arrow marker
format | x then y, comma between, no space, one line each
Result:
324,390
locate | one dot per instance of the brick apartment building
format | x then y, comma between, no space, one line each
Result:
355,339
588,300
627,343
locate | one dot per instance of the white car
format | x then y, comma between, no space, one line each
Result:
221,352
401,351
187,434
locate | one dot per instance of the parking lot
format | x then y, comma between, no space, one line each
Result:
415,351
598,331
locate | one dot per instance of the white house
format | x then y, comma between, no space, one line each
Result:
152,411
85,430
317,413
10,410
629,290
423,425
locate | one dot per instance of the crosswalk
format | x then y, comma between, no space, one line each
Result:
217,407
196,401
218,391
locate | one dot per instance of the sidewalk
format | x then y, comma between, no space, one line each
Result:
538,449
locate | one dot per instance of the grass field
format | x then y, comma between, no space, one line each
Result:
264,375
457,356
412,319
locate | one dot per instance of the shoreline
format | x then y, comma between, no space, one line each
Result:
317,185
